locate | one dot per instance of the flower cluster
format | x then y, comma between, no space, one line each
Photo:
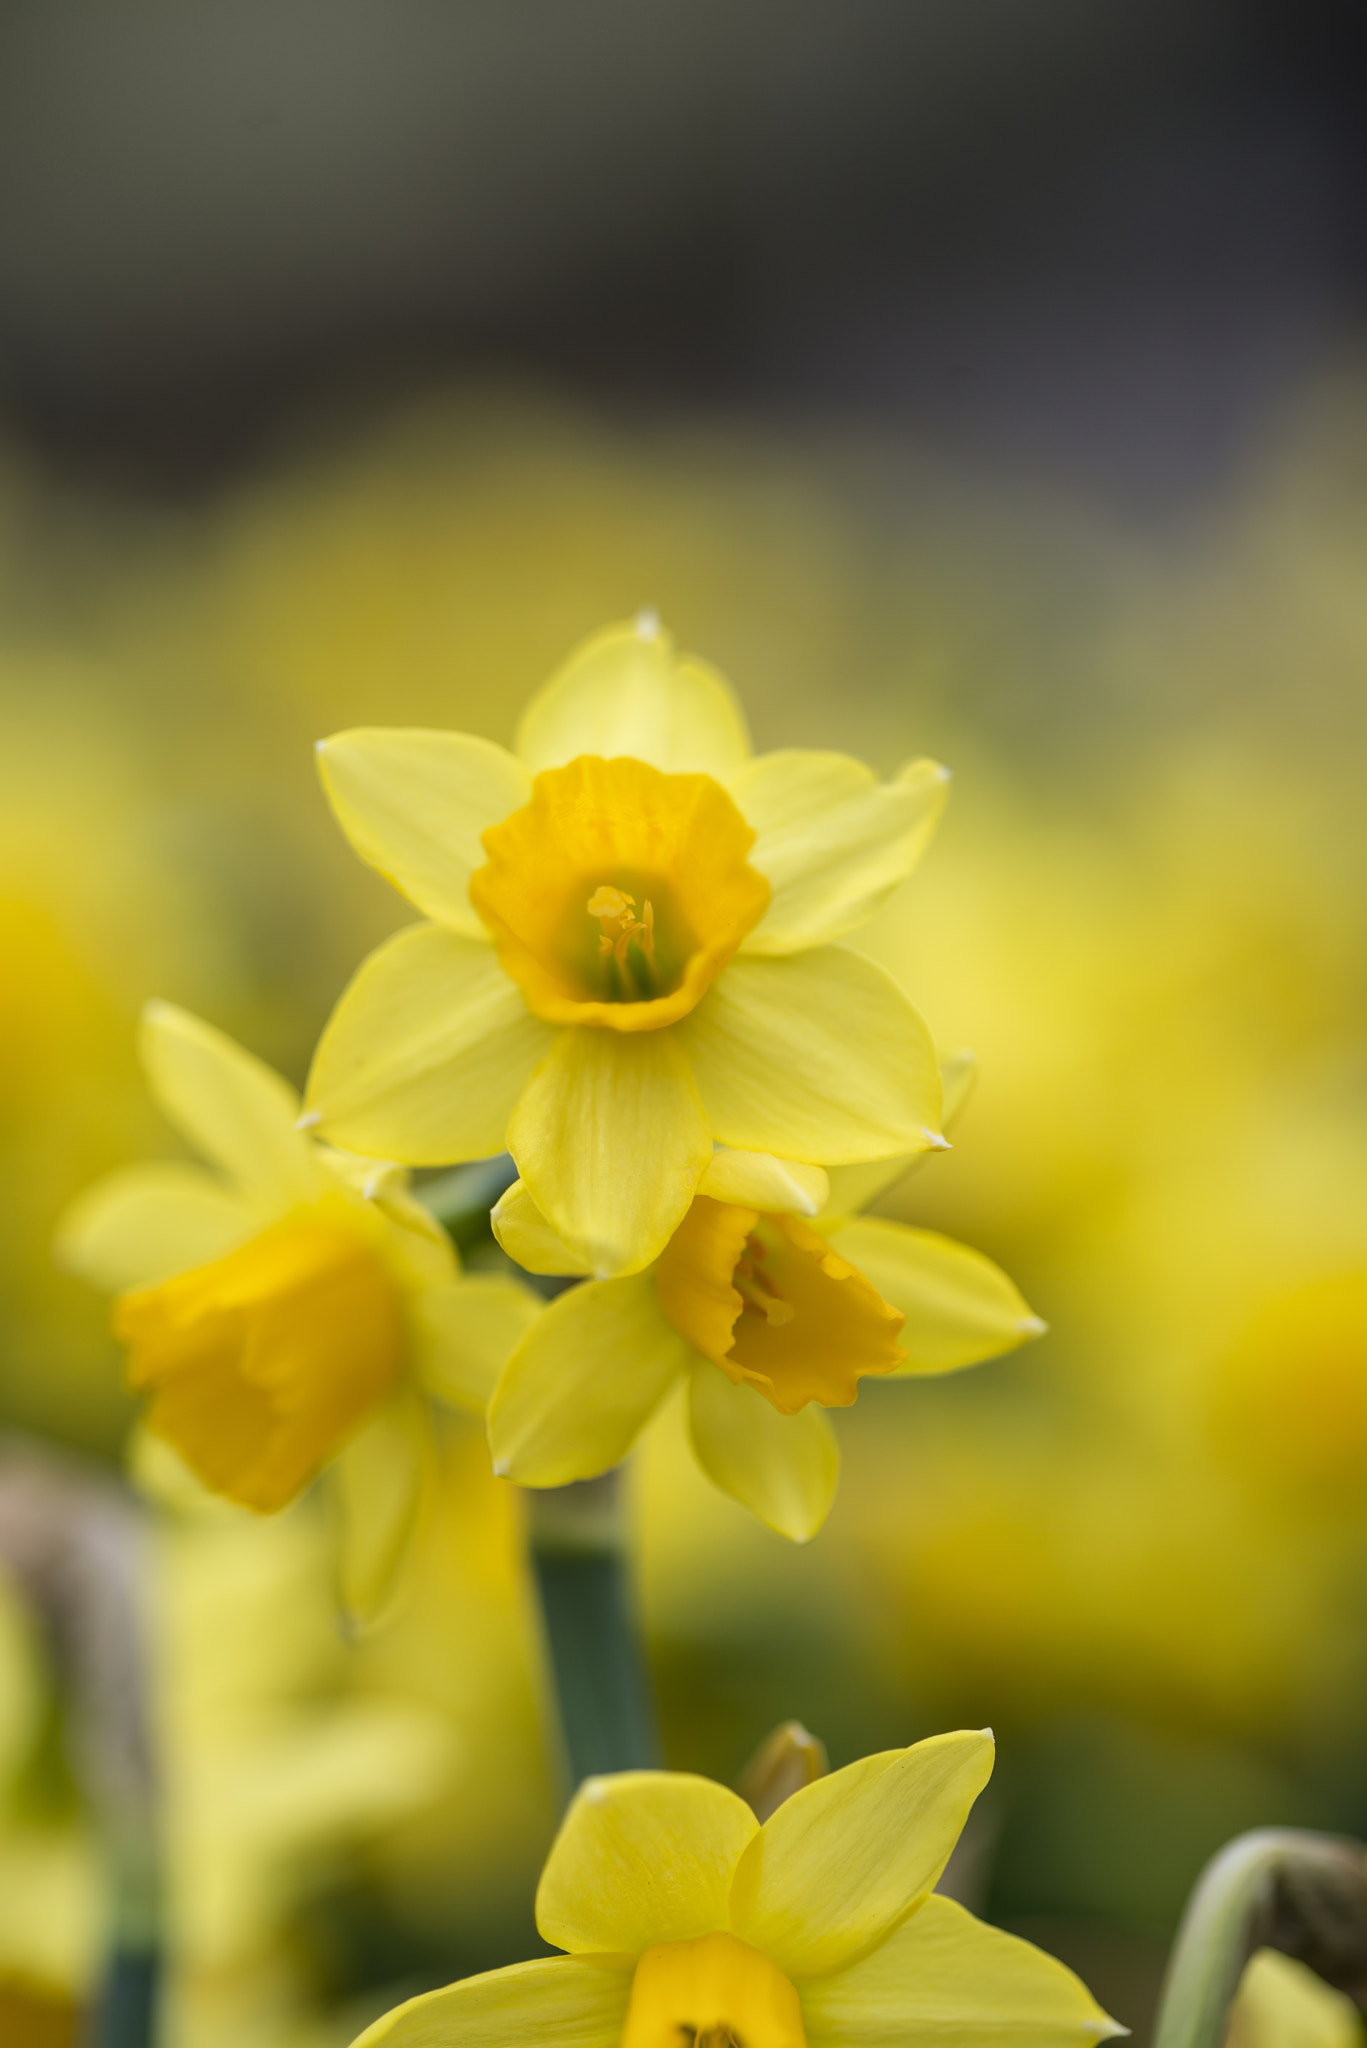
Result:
631,975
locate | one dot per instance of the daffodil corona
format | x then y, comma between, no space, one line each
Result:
772,1301
630,953
686,1924
291,1310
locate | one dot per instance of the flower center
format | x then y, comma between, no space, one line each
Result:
717,1992
768,1301
617,895
261,1363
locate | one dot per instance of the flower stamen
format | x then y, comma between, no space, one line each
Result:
614,910
756,1289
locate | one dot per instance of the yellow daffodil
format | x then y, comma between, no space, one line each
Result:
688,1925
291,1309
772,1299
630,952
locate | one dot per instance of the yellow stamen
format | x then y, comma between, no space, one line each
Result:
613,908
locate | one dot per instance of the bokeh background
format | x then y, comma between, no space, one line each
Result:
970,379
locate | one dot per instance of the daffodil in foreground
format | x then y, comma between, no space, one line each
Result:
631,951
772,1300
688,1925
290,1310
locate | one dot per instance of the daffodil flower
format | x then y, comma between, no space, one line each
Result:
685,1924
631,949
772,1300
291,1309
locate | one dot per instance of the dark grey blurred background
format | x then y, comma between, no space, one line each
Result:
1093,239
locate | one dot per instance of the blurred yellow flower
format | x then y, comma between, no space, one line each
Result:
1280,2003
661,909
771,1301
292,1308
684,1920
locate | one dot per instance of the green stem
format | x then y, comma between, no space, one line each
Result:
580,1559
1283,1888
461,1199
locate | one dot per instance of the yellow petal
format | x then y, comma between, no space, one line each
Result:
378,1484
944,1977
854,1187
758,1180
466,1332
783,1468
229,1105
844,1859
426,1053
831,840
624,691
959,1307
583,1382
819,1056
642,1857
527,1237
558,2002
610,1139
144,1223
413,804
1281,2003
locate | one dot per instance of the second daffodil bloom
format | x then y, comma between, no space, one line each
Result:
631,950
688,1925
290,1310
772,1300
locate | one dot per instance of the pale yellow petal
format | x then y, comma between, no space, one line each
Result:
819,1056
854,1187
426,1053
841,1861
641,1857
413,804
378,1483
624,691
831,840
465,1333
143,1223
783,1468
944,1980
611,1140
959,1307
758,1180
1281,2003
229,1105
527,1237
557,2002
583,1382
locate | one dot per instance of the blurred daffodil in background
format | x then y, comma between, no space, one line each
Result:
291,1310
661,909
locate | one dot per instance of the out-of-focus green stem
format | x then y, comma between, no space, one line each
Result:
461,1200
1282,1888
580,1558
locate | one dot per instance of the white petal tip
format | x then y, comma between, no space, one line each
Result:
502,1467
988,1733
1034,1326
154,1009
936,1140
945,774
647,623
371,1187
309,1121
594,1790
